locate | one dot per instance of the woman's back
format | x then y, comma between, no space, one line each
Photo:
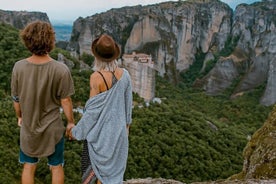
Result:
102,80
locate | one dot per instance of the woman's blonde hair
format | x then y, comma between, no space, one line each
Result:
102,65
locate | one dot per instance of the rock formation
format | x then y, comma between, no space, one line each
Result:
19,19
170,31
260,152
152,181
175,32
164,181
61,58
253,60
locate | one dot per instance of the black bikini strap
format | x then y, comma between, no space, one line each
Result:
104,80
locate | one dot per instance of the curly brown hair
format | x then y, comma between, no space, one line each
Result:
38,37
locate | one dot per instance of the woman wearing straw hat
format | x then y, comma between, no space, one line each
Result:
105,123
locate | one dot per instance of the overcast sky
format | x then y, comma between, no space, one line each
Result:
70,10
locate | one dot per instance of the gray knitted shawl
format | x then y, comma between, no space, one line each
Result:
103,125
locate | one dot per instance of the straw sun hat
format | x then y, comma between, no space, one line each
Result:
105,48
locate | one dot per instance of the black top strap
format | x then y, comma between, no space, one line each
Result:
114,79
104,80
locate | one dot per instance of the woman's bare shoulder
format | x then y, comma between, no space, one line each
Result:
94,84
95,76
119,72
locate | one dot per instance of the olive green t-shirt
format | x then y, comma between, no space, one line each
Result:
39,89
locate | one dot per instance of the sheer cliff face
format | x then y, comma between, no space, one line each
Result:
116,22
179,30
174,32
170,32
19,19
253,58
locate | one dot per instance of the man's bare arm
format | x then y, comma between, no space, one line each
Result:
18,113
67,107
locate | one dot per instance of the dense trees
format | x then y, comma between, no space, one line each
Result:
10,49
191,136
188,137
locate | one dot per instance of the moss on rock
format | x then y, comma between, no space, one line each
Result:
260,152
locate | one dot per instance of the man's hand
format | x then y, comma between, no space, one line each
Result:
68,132
17,109
67,106
19,121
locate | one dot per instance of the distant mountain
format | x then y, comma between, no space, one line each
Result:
63,31
19,19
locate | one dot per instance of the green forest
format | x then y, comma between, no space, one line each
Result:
188,137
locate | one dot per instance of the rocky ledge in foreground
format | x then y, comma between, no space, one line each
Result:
165,181
152,181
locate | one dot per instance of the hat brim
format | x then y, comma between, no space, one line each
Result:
97,55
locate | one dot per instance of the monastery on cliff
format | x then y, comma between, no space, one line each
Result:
141,70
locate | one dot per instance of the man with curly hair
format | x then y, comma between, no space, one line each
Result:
40,86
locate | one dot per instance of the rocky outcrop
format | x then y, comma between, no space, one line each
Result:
221,76
116,22
19,19
170,31
152,181
168,181
254,58
175,32
61,58
250,181
260,152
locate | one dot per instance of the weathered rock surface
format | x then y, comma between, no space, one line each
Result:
19,19
260,152
152,181
170,31
164,181
61,58
254,56
174,32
